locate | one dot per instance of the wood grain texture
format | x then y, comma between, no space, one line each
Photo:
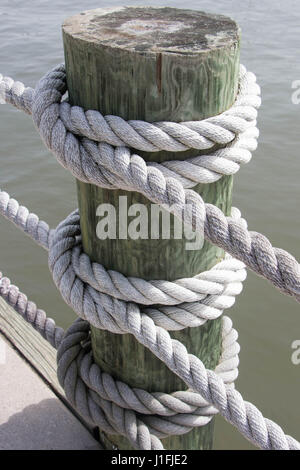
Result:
38,352
152,64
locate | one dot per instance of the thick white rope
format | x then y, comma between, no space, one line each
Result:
193,300
109,167
88,288
240,131
91,304
165,414
118,316
30,312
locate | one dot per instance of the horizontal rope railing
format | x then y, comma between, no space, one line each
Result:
175,413
93,148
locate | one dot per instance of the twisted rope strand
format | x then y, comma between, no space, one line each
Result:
82,142
28,310
149,137
202,169
193,300
99,388
120,317
27,221
272,435
116,168
245,416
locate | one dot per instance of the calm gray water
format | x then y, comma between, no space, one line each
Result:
267,190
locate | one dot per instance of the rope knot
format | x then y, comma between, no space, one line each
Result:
95,148
143,417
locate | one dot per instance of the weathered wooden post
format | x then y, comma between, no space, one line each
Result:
152,64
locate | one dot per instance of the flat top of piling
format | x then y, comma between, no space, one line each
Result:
151,29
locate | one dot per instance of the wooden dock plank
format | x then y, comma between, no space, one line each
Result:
38,352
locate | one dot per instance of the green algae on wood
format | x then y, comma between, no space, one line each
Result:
152,64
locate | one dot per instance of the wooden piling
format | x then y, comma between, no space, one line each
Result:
152,64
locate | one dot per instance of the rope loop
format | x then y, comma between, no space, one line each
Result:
118,409
95,148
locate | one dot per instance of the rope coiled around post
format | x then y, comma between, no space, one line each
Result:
115,167
111,404
93,148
